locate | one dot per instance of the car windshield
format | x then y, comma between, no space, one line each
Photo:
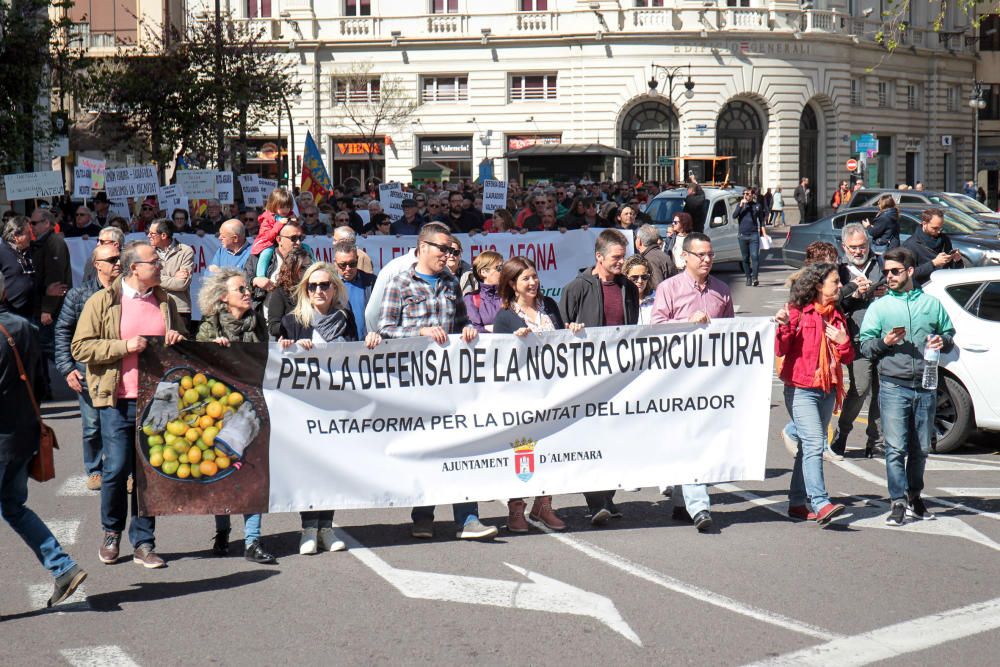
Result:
968,204
662,210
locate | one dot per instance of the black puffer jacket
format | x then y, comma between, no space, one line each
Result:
66,326
18,424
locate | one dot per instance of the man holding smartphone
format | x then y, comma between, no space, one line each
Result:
932,247
894,333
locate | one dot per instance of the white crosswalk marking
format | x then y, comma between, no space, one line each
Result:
98,656
64,531
970,492
75,486
39,594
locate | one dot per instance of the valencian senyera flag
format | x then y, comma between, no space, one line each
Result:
315,178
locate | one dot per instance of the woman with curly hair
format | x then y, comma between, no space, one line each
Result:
638,270
228,317
812,337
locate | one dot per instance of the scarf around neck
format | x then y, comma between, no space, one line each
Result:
829,372
331,327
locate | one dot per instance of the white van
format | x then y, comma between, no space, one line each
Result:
719,223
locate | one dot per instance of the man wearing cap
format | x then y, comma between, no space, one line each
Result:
147,213
411,222
83,224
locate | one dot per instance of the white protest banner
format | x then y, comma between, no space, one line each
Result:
414,423
118,208
225,189
250,184
390,195
365,216
82,183
197,183
494,195
31,185
559,257
135,182
96,168
172,197
267,186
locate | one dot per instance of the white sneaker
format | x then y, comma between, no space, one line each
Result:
308,543
328,541
474,530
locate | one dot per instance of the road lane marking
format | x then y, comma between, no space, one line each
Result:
938,465
98,656
39,594
64,531
994,464
975,492
75,486
542,594
858,471
897,640
670,583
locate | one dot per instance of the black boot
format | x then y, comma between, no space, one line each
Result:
220,547
255,553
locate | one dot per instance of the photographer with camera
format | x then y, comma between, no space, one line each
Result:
749,218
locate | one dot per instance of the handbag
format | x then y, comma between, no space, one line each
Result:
42,466
765,242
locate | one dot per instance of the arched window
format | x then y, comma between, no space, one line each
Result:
649,132
809,146
740,133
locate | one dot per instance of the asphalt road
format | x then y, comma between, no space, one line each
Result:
645,590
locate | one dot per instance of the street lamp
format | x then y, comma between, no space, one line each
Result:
976,103
668,73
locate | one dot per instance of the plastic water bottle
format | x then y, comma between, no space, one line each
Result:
931,357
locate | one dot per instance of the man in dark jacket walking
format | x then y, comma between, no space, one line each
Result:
105,259
932,247
804,198
650,246
19,433
600,297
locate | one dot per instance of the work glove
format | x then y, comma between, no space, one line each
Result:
238,431
163,408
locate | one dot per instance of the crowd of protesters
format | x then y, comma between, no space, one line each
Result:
265,285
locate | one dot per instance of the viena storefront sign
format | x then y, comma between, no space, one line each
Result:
356,150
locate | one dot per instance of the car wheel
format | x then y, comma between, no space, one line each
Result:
953,421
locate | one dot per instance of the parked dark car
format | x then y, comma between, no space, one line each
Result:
978,242
928,199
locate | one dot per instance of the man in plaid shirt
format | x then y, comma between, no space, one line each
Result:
426,300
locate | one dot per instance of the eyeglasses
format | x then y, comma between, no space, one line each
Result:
639,276
702,256
151,262
110,260
298,238
242,289
146,208
896,272
347,265
446,249
322,287
675,221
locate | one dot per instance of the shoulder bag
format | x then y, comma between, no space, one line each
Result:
42,467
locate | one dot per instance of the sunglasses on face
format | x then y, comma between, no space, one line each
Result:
639,276
151,262
446,249
896,272
114,259
107,242
321,286
147,208
242,289
298,238
347,265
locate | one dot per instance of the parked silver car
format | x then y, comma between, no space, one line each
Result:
718,221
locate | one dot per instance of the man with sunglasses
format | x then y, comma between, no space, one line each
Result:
107,267
148,211
112,331
359,283
894,334
177,266
694,295
426,300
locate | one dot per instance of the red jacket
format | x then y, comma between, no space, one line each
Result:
799,340
268,231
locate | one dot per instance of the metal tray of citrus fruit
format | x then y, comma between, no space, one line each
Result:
196,427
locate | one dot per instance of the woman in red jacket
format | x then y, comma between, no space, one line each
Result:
812,337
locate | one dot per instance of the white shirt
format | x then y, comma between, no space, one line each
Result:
388,272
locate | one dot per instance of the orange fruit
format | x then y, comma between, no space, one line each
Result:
205,422
194,455
200,379
208,435
193,434
156,460
169,454
187,382
222,462
235,399
214,409
184,471
219,390
207,455
208,468
191,396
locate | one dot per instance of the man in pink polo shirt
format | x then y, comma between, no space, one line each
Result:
110,334
693,295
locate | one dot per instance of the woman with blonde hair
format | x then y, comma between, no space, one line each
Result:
484,304
321,315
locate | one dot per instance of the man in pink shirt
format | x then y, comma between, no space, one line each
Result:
110,335
693,295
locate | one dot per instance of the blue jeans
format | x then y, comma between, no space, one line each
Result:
251,526
810,410
90,420
775,215
695,497
750,251
463,512
34,532
118,444
908,426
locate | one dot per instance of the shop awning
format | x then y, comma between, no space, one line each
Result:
566,150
